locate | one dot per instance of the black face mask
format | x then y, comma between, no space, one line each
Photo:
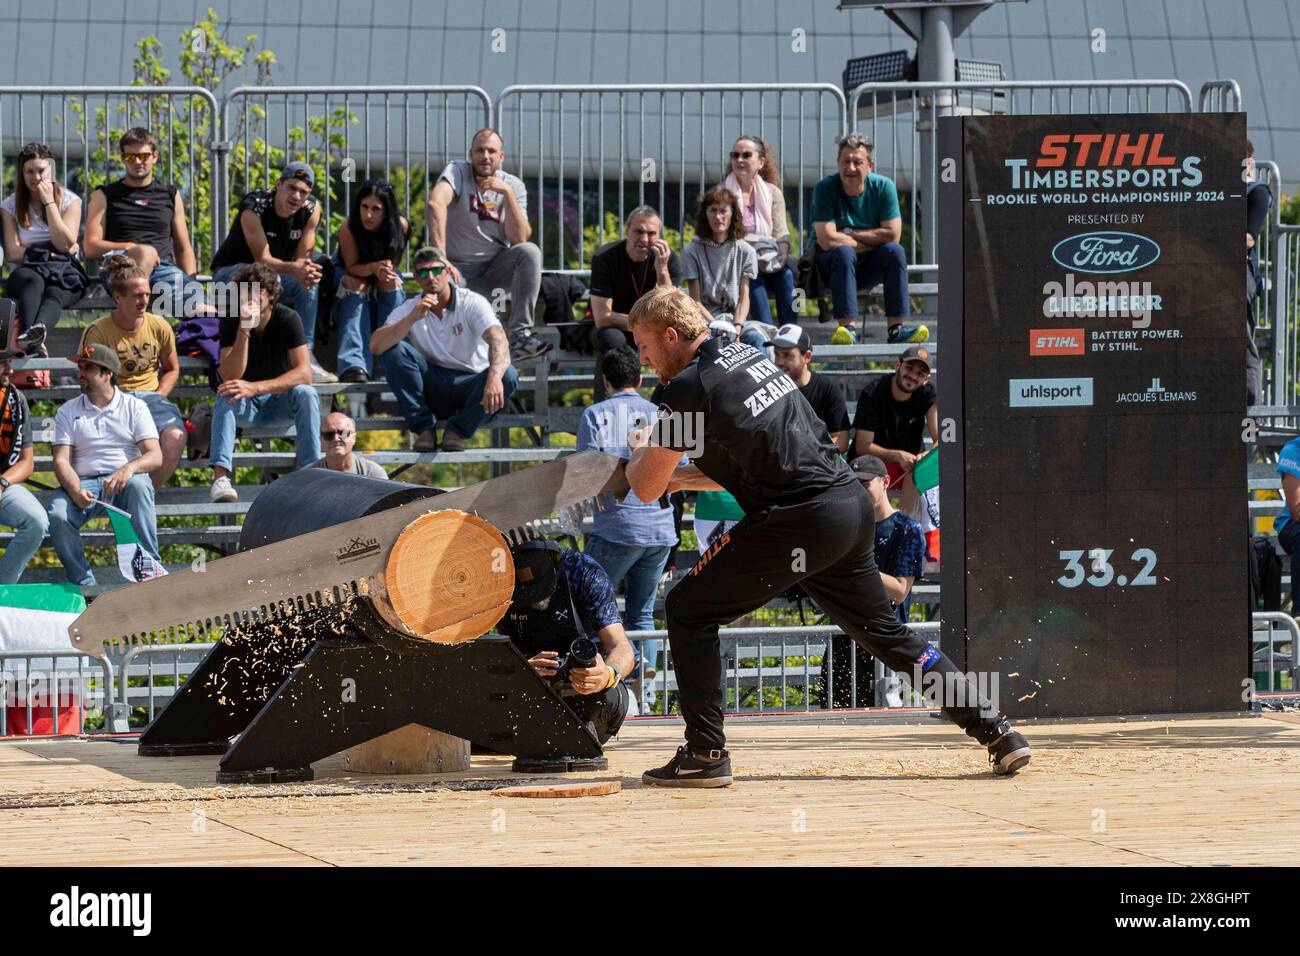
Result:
535,571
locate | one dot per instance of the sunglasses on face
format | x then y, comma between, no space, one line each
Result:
428,271
745,155
137,157
342,434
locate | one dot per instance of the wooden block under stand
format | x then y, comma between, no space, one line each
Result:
409,749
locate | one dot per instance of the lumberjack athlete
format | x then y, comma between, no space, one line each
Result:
807,521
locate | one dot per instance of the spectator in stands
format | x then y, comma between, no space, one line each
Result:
859,226
445,354
900,556
1258,200
479,215
338,436
265,375
561,596
278,227
146,352
892,416
632,540
368,264
792,352
719,263
39,217
144,219
756,182
105,446
19,508
1287,524
625,270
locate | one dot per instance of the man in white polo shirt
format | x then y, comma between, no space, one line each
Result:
105,447
445,355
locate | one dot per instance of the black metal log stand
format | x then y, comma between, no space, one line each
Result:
302,686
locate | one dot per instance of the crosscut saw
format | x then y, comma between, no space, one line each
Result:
333,564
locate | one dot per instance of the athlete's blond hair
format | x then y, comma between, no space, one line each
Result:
665,307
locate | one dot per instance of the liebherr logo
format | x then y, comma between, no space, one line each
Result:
76,909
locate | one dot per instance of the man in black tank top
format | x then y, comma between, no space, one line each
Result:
144,219
749,431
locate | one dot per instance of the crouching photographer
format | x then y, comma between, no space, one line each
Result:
562,597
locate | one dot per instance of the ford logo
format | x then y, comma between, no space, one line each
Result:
1106,252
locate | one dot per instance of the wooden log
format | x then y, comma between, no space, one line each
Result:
410,749
449,578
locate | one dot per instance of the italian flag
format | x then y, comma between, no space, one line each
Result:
36,616
135,563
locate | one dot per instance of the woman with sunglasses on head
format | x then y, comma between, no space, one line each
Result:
368,261
40,222
754,179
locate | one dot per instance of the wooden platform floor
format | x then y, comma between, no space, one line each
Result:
1188,792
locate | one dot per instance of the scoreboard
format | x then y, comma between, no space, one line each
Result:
1095,532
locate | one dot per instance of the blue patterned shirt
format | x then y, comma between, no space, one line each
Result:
593,595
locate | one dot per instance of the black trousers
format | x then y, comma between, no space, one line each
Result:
38,300
605,709
827,546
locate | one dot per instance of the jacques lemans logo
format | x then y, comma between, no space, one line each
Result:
75,909
1155,393
1106,252
356,549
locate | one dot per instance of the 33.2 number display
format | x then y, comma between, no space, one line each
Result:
1102,572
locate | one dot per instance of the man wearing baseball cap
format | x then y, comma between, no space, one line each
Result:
892,416
278,226
105,446
19,508
792,352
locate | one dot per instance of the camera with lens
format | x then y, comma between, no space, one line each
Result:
582,653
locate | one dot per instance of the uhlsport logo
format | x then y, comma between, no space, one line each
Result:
1104,253
1050,392
1056,342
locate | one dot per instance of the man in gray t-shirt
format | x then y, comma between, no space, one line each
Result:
479,216
338,436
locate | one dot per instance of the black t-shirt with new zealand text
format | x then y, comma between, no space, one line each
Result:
615,276
761,439
15,426
894,424
827,401
268,349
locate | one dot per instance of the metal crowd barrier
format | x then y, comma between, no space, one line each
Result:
907,155
663,145
356,132
1292,629
40,683
1220,96
82,124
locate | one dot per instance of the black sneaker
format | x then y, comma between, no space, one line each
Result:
355,374
1009,753
686,770
528,346
32,341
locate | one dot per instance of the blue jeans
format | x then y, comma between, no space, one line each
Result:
356,315
20,510
67,520
642,567
300,407
780,284
426,392
846,272
292,295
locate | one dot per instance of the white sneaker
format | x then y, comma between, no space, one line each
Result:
223,490
321,377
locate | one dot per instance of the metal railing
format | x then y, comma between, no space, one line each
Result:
1220,96
151,692
908,155
82,125
1282,285
41,683
1289,625
356,133
663,145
